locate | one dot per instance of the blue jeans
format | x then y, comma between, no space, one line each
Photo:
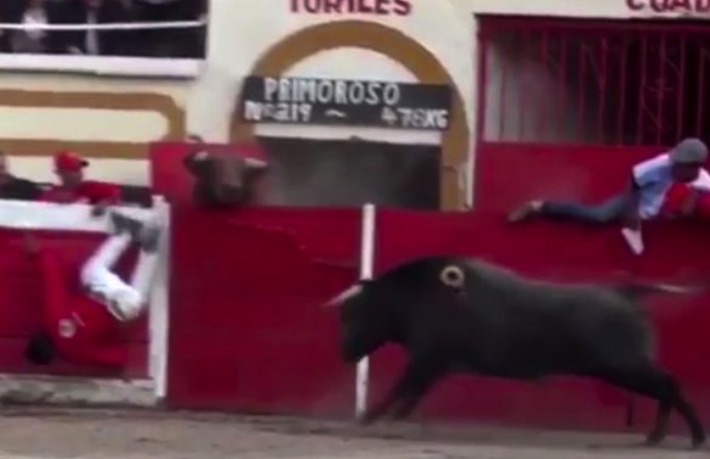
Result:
609,211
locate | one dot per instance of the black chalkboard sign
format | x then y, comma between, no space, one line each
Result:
320,101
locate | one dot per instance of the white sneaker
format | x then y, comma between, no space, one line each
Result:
634,240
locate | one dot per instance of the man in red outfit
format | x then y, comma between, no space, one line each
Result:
72,187
84,320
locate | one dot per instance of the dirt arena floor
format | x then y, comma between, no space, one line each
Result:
105,434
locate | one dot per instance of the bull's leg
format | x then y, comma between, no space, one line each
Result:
421,383
410,383
654,383
380,408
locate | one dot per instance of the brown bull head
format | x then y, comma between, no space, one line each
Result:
221,179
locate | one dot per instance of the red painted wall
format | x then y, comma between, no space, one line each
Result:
247,330
21,291
564,253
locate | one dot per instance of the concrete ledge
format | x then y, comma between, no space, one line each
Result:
55,390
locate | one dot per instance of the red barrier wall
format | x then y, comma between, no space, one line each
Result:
564,253
246,333
21,291
246,328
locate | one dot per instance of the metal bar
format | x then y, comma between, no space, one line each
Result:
544,106
580,106
642,87
367,266
563,83
681,88
482,87
661,91
622,104
503,96
704,54
602,79
522,92
567,24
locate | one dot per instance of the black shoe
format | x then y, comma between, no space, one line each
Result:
149,238
123,224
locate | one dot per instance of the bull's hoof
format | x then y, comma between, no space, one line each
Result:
365,420
698,441
653,440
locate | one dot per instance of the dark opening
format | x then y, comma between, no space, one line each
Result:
335,173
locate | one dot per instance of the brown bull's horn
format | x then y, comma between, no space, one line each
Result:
453,276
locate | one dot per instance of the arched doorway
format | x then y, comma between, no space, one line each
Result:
397,46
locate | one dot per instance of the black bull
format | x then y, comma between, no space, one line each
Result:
461,314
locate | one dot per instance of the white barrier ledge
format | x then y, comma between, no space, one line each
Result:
103,65
60,217
54,390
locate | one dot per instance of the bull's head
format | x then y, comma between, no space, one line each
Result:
365,318
374,312
222,179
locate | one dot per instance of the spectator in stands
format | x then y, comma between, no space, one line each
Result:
171,42
93,42
85,325
73,188
30,12
15,188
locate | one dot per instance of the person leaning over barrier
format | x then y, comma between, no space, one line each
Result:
15,188
83,323
74,188
645,196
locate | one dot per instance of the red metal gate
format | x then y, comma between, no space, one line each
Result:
606,83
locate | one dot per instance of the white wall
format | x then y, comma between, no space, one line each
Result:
239,36
63,124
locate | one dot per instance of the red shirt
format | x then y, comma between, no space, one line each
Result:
83,331
89,192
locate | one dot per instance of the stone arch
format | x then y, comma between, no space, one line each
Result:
397,46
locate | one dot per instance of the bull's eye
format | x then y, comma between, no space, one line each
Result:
453,276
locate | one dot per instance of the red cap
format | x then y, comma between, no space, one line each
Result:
68,161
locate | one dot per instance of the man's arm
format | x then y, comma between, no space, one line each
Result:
632,219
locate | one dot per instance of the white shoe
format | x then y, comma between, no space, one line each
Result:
634,240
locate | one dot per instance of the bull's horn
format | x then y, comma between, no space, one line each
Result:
344,296
453,276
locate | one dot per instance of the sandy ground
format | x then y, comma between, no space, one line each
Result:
60,433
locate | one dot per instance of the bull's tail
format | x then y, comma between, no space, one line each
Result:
637,289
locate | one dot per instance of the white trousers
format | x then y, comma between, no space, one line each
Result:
125,301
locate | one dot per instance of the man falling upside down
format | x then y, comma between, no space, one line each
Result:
85,311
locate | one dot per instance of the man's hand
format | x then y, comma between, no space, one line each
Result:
100,209
689,204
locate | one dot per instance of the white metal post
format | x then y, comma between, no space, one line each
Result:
367,259
158,315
